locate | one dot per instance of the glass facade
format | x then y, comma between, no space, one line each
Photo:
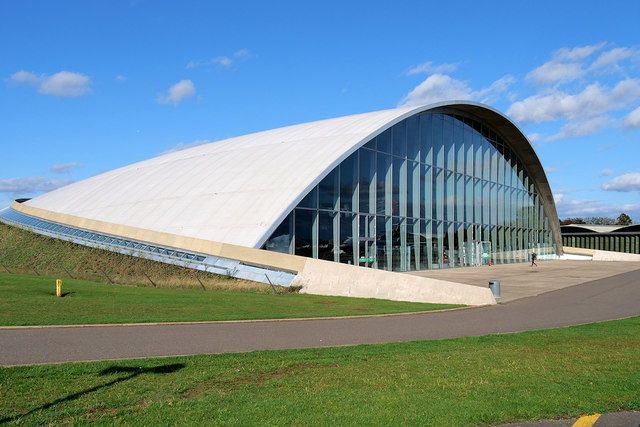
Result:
436,190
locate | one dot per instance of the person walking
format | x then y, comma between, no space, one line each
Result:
534,257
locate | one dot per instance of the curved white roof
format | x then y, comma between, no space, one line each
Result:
232,191
238,190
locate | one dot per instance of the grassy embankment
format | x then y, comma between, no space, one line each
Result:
25,252
31,300
486,380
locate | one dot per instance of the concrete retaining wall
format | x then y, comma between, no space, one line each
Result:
614,256
329,278
598,255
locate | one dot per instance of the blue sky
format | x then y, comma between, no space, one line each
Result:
89,86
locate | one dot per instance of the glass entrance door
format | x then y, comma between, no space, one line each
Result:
367,247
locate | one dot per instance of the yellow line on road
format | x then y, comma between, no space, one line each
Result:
587,420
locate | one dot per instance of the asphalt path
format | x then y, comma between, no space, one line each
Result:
611,298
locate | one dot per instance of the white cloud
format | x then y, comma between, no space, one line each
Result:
29,185
633,119
626,182
23,77
223,61
564,66
178,92
594,100
65,167
577,53
183,146
121,78
430,68
496,88
440,87
550,170
241,53
580,128
611,58
437,87
64,83
606,172
553,72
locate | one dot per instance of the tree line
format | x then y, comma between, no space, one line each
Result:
623,219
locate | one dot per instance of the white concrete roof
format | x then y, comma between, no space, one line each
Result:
232,191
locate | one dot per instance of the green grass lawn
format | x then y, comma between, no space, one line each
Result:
31,300
457,382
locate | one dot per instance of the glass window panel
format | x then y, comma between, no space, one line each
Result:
448,254
468,146
458,143
437,253
398,254
304,225
328,194
500,165
384,141
327,235
521,175
348,183
383,186
493,202
371,144
348,237
400,139
437,141
438,193
426,139
486,160
413,189
501,204
399,188
425,245
486,203
426,198
413,138
383,242
449,196
468,199
367,181
280,239
459,199
413,245
494,163
447,141
310,200
477,148
477,201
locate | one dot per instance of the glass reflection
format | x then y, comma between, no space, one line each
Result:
436,190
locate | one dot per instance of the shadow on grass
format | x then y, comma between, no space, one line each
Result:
131,371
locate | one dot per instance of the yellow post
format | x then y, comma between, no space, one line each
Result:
59,287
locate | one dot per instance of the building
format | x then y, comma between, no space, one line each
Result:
613,238
450,184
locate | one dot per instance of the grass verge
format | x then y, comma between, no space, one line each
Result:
457,382
31,300
25,252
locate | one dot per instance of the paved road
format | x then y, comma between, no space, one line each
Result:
604,299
